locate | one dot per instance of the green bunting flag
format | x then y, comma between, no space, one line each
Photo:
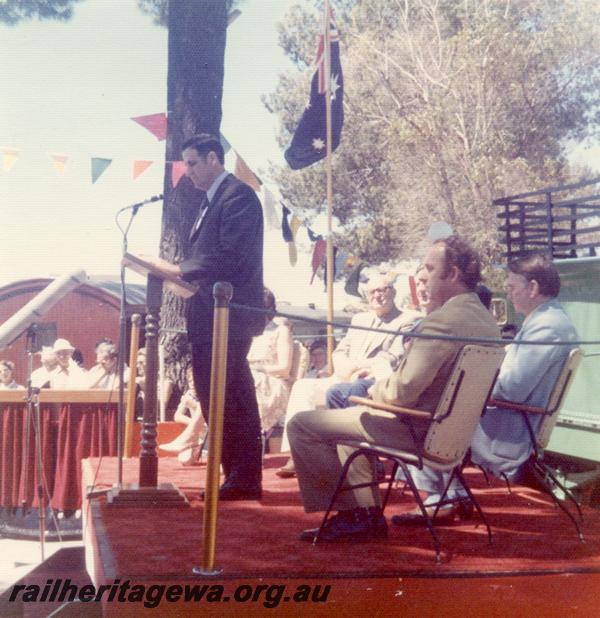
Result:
98,167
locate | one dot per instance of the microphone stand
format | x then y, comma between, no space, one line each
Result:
33,413
122,346
123,334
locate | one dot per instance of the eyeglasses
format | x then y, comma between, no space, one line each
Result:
380,290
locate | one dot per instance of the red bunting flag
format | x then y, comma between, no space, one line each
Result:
155,123
177,171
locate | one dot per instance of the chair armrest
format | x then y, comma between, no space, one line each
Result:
519,407
388,407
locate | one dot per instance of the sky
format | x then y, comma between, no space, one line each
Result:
72,88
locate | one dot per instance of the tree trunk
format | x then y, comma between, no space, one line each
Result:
197,36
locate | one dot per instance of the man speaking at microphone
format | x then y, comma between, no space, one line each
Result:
226,243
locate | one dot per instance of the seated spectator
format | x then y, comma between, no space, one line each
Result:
501,443
450,275
6,375
140,379
104,375
67,375
318,367
270,360
189,413
363,377
361,355
40,377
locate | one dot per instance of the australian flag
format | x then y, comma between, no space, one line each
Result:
309,142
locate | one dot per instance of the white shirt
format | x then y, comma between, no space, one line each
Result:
71,378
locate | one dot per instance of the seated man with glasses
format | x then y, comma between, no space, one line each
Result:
360,372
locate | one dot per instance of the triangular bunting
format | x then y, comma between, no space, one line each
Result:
318,256
245,174
140,166
155,123
99,166
177,171
59,161
9,156
226,145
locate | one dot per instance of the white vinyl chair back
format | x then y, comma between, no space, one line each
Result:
461,405
300,361
557,396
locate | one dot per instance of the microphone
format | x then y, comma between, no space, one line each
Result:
135,207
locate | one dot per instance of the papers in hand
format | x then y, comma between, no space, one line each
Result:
178,286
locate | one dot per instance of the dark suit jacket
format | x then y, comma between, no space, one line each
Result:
227,246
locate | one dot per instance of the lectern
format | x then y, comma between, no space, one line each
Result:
147,492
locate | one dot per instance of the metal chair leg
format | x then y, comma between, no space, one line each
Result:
474,501
428,520
539,470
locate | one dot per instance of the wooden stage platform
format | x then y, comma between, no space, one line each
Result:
535,565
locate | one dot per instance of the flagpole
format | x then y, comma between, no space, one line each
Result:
328,139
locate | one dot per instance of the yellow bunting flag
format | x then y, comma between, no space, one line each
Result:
245,174
140,166
59,161
177,171
9,156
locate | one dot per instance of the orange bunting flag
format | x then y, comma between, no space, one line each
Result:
59,161
9,157
140,166
245,174
155,123
177,171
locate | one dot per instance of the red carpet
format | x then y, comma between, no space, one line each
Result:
255,539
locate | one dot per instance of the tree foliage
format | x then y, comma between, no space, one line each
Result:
14,11
448,106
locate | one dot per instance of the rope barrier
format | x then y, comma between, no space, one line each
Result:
415,335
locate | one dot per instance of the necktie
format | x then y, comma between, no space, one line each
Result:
202,211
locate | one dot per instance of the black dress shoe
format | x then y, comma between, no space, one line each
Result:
357,525
231,492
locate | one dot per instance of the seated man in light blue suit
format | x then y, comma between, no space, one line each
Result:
501,443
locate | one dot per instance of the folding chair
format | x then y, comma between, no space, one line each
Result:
543,474
448,436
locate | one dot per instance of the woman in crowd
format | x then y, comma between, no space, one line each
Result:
270,359
189,413
6,375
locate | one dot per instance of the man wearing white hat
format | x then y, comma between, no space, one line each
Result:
67,375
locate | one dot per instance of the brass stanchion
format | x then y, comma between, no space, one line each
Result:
136,320
222,292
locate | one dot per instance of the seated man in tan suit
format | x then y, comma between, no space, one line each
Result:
451,273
